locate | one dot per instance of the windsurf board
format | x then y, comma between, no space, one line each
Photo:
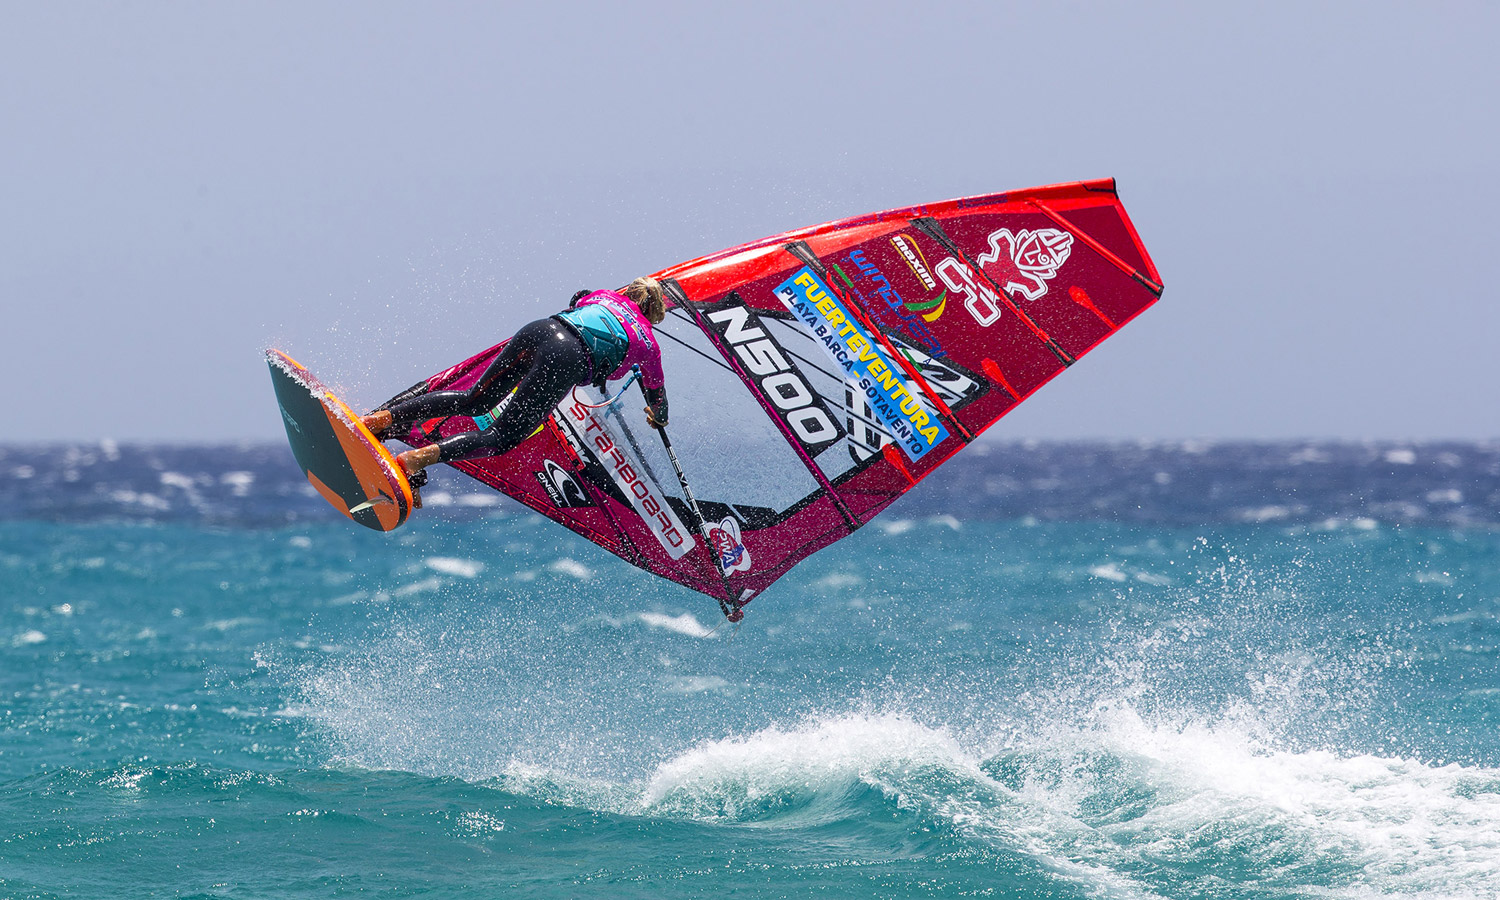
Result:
341,458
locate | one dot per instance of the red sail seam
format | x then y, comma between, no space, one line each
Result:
1081,297
993,370
893,456
574,461
1099,248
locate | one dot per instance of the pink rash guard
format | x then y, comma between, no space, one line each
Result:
643,349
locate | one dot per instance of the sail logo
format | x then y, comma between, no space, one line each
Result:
900,411
911,254
931,310
894,302
979,298
586,429
734,556
955,385
562,488
1031,255
774,375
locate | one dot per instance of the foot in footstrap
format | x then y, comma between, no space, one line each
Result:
415,463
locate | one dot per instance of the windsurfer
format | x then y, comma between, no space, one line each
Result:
599,337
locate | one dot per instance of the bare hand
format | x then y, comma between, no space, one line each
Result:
651,419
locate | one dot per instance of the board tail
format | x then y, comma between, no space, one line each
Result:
342,460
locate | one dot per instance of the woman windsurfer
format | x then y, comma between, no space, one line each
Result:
599,337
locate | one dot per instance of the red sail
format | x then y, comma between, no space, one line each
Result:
817,375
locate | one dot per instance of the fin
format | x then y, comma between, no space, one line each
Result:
372,502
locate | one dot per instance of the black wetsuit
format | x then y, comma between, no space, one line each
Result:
544,361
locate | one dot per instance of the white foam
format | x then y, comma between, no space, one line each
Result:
921,770
418,587
227,624
821,754
1409,828
837,580
695,684
684,624
896,526
571,567
28,637
177,480
450,565
1309,455
1264,514
150,501
1468,615
239,482
1400,457
479,500
1109,572
1414,828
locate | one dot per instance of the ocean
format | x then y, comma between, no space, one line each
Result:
1135,670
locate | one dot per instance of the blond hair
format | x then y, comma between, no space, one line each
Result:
648,296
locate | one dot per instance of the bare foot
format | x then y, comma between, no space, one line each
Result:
414,461
377,421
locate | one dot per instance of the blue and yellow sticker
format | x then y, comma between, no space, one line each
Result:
914,428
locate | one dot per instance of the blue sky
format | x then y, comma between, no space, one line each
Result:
382,189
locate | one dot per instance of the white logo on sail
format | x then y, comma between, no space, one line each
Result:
1033,255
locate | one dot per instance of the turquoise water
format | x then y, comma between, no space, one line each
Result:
490,707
